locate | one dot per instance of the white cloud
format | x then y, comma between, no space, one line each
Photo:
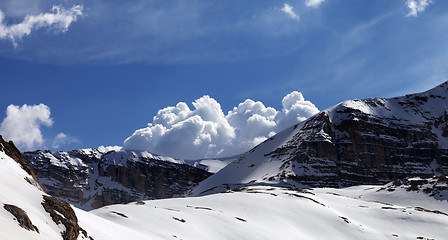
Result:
109,148
178,131
416,7
63,139
289,10
22,124
60,19
161,32
295,109
314,3
205,131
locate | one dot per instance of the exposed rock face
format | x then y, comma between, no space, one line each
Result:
21,217
62,213
91,179
371,141
434,186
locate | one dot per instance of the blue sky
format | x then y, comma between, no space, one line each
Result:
105,68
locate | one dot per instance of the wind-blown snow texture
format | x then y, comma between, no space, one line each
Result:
259,212
371,141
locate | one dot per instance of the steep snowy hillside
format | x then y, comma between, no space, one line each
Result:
88,178
371,141
26,211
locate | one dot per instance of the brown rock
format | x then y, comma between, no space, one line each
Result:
21,217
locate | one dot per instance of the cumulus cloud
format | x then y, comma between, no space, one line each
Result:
288,9
63,139
109,148
295,109
416,7
59,19
314,3
205,131
22,124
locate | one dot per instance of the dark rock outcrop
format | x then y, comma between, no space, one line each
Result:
21,217
434,186
62,213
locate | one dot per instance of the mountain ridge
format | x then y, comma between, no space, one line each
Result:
89,179
370,141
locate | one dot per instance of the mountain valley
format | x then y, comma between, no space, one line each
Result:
363,169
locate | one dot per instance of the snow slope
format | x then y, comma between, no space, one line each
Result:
261,212
17,188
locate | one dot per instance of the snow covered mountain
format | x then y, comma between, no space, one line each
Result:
413,208
370,141
260,195
88,178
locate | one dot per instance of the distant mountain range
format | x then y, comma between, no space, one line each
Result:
363,169
88,178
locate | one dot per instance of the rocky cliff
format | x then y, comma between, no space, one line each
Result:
370,141
88,178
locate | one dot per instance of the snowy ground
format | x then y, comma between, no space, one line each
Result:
276,213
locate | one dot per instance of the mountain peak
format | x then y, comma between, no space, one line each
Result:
369,141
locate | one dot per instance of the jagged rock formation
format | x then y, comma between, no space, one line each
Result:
88,178
370,141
